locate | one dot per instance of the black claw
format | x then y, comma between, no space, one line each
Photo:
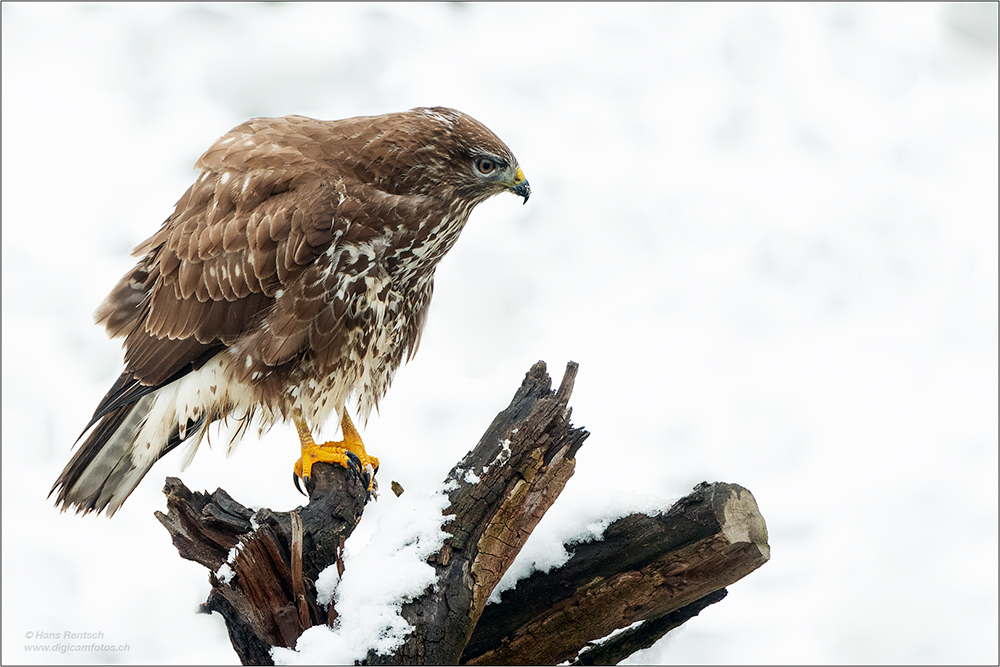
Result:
295,478
354,462
370,483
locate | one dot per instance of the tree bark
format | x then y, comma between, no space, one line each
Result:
502,488
643,569
268,595
654,570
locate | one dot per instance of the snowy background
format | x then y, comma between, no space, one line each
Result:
767,233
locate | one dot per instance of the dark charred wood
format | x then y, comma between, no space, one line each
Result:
502,488
269,598
251,649
641,569
621,646
650,572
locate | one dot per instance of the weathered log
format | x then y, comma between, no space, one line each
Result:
502,488
644,568
660,570
268,595
615,649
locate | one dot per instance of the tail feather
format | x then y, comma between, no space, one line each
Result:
106,468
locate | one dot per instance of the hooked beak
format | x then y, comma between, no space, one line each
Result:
521,187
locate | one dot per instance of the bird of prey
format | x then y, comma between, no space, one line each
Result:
293,275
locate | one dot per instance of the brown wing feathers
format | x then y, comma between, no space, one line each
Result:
208,276
237,236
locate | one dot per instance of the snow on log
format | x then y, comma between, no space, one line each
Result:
617,594
643,569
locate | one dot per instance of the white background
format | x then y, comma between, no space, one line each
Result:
767,233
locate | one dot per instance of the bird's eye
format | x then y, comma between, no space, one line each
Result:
485,165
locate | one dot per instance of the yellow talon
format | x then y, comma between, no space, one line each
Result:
334,451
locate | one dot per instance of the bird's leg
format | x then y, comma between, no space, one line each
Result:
349,452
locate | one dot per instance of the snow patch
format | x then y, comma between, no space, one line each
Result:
614,633
565,526
390,570
225,573
326,585
504,454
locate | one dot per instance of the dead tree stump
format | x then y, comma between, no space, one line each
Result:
649,572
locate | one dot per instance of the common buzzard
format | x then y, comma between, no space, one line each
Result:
293,275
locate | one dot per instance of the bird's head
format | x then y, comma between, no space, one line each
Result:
441,152
498,173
